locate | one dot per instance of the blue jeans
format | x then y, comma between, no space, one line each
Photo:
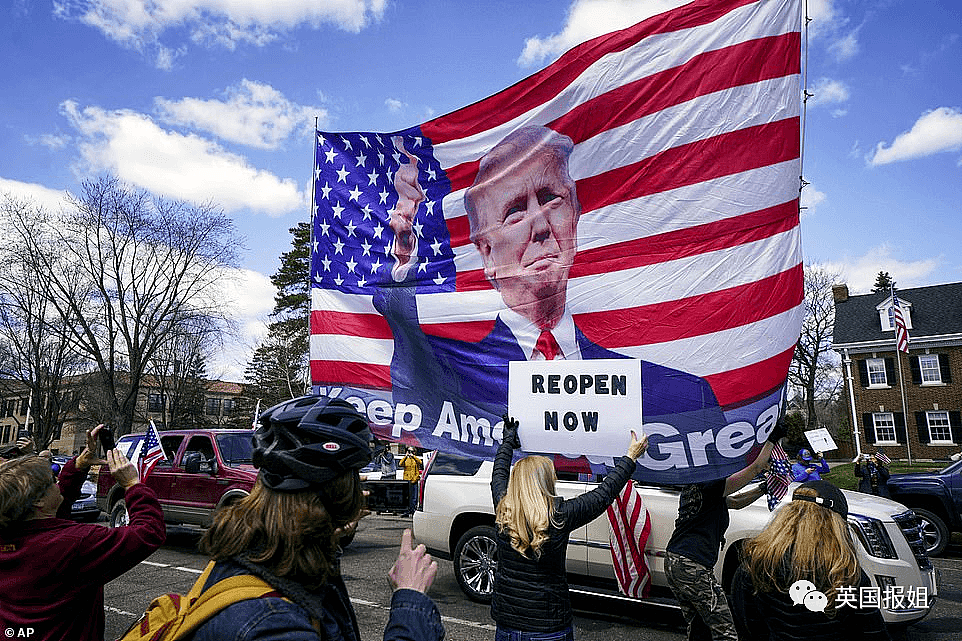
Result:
507,634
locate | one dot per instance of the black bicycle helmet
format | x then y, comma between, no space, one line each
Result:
310,440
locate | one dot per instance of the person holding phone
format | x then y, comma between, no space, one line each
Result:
54,570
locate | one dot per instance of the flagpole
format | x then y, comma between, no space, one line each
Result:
308,383
900,331
851,395
898,357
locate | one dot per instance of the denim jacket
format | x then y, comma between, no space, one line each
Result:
413,617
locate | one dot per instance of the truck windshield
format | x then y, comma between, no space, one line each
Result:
235,448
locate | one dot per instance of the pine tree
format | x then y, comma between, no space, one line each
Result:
278,370
883,283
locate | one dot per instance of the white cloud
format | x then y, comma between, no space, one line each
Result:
250,297
393,105
50,141
587,19
253,114
811,198
844,47
186,167
139,24
860,272
828,25
935,131
826,18
827,91
44,197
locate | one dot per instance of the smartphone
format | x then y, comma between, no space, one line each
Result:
23,434
106,438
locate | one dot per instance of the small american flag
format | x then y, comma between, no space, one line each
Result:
882,458
901,331
778,479
150,452
628,535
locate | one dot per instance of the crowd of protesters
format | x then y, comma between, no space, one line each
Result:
308,494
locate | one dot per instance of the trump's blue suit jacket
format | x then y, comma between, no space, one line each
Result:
429,370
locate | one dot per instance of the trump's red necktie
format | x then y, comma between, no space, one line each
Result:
547,345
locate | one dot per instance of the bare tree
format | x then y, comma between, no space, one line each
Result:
128,273
38,361
178,372
814,370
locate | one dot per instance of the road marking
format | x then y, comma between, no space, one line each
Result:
121,612
156,565
191,570
473,624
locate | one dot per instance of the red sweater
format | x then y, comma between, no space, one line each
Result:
53,571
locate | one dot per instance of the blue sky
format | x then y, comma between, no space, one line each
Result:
214,100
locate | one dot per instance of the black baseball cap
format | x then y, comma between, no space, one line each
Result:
828,496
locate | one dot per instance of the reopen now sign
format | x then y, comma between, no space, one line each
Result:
576,407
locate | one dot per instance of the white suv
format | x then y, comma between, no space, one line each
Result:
455,521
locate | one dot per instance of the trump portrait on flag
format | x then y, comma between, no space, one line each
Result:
523,212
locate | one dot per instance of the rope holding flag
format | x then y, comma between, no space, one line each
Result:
628,533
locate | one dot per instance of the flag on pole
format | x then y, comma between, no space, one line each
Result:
901,331
882,458
682,142
778,478
628,534
150,452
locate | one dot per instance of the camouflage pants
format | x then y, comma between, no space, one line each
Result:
703,602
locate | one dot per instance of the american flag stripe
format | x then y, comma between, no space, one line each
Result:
901,331
707,97
662,42
685,149
725,197
629,528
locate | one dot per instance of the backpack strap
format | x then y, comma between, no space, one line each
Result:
204,604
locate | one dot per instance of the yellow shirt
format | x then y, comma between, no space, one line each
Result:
412,468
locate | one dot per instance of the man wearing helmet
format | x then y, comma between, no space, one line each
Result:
286,532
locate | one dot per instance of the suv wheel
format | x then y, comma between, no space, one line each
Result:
118,515
935,534
475,560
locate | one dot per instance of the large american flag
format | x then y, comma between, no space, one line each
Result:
901,331
687,165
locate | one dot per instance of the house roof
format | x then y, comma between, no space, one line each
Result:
936,311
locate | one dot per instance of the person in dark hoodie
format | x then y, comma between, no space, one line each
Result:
54,570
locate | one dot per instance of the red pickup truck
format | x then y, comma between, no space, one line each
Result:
205,469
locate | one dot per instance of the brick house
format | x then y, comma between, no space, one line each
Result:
929,425
224,405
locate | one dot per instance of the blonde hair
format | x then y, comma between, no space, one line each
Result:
23,482
804,541
289,533
527,509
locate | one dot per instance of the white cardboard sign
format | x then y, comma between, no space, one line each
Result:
821,440
576,407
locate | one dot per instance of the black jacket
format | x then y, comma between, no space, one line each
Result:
532,594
